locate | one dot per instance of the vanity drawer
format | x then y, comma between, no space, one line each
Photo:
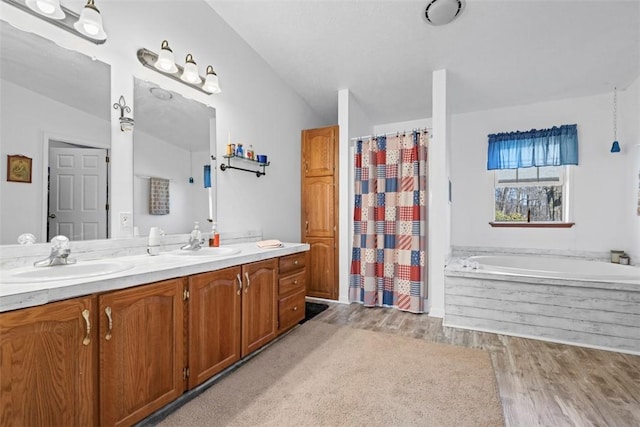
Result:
292,283
291,310
292,262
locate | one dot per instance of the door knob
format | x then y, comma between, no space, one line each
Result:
52,216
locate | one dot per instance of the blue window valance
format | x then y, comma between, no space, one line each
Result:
546,147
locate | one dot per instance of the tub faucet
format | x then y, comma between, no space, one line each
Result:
60,251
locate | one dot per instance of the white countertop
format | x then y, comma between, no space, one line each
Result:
146,269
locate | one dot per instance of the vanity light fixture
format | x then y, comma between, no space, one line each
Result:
87,24
164,63
190,72
49,8
90,22
126,123
211,84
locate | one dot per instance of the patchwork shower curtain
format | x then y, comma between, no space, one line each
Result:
388,261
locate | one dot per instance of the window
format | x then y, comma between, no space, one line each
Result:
532,195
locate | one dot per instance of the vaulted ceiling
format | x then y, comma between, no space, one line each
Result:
497,52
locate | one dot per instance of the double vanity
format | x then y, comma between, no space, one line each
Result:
111,342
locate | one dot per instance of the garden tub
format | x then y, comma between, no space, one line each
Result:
573,301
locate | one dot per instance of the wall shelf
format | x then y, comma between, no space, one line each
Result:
258,172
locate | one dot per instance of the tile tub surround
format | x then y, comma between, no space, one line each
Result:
147,269
467,251
587,313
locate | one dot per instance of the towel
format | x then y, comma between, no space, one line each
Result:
159,196
270,244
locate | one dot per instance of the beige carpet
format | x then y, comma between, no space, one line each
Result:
325,375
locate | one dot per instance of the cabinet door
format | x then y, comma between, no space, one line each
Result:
214,323
259,304
141,350
48,365
319,151
319,207
321,266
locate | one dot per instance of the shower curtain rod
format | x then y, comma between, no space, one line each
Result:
390,133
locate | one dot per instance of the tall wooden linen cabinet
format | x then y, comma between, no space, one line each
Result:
319,179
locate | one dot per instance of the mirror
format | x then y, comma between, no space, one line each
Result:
51,97
173,139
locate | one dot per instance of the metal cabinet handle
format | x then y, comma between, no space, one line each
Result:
295,308
295,282
295,262
239,284
248,282
306,226
108,312
87,338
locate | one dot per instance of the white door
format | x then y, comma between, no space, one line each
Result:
78,193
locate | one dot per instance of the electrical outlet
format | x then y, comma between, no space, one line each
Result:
125,221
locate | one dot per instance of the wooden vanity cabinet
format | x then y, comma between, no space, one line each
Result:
291,290
259,309
232,313
48,365
113,359
214,323
141,350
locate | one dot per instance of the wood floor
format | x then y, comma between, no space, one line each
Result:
540,383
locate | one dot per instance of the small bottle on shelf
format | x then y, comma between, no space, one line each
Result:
250,152
239,151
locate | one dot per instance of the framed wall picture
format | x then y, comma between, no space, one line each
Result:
18,168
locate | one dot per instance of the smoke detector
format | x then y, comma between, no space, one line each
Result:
441,12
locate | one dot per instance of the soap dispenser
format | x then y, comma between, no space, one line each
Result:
196,235
214,240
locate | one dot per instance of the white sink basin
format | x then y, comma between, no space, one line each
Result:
206,252
63,272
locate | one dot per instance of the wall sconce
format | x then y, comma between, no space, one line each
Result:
165,64
88,24
126,123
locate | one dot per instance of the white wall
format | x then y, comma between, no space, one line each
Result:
255,105
25,125
604,185
629,137
353,122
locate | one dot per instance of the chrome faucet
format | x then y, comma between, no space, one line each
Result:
193,245
195,240
60,251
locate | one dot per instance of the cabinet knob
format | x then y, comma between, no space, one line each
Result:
295,282
295,308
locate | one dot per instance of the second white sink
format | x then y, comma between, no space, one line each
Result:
206,252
